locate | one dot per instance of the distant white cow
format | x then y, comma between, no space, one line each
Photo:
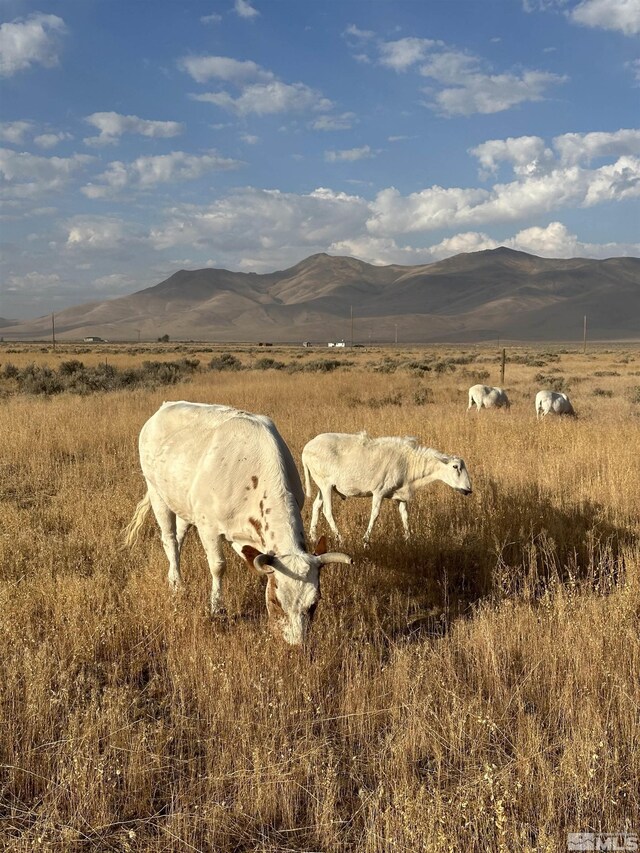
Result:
361,466
231,475
490,398
553,403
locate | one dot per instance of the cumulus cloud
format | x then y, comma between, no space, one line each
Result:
14,132
463,84
205,68
621,15
349,155
344,121
213,18
268,99
534,192
50,140
35,40
493,93
99,233
113,125
259,91
269,222
529,155
28,176
147,172
244,9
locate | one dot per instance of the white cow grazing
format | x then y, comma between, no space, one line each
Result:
231,475
361,466
553,403
490,398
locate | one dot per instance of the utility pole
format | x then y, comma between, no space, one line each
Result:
396,325
502,364
138,331
584,349
352,327
53,330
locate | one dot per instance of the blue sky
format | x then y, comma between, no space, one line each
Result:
142,137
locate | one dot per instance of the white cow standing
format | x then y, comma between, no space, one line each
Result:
490,398
552,403
388,467
231,475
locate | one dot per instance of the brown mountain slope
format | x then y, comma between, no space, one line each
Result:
467,297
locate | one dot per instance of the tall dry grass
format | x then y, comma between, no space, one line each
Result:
474,689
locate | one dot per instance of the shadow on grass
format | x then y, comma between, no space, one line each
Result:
506,545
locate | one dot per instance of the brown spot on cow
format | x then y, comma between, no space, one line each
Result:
274,608
257,526
254,480
261,508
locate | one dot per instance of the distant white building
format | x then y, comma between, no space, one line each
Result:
336,344
93,339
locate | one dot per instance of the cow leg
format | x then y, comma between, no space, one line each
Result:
404,515
315,514
328,512
212,544
376,501
167,523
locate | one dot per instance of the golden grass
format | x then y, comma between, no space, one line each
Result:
474,689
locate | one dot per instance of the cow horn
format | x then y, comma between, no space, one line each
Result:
335,557
264,563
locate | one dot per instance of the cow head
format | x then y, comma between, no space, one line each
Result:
455,474
293,587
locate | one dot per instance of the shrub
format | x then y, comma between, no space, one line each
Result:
602,392
554,383
67,368
225,361
268,364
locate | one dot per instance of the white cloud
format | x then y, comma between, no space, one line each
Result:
101,233
32,281
404,53
528,154
245,10
28,41
464,86
204,68
113,125
147,172
533,193
14,132
269,224
634,66
356,32
268,98
214,18
249,138
345,121
493,93
585,147
621,15
28,176
349,155
50,140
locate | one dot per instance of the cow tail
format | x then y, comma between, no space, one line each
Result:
307,480
132,529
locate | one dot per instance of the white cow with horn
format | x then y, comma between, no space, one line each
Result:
487,397
388,467
231,475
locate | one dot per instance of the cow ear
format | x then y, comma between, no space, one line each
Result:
249,553
321,546
262,563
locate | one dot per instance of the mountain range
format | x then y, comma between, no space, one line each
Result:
469,297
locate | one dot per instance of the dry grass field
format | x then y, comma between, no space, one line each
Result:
474,689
